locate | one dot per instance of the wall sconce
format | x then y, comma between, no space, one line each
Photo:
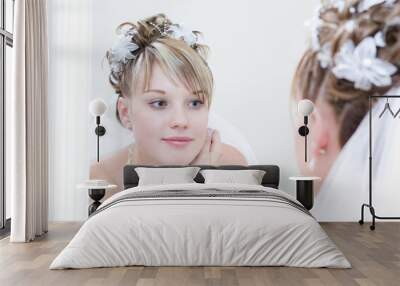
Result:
305,107
97,108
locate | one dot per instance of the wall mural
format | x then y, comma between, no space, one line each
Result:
165,88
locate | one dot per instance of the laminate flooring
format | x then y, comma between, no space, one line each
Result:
374,255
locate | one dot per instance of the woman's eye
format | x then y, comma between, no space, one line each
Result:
158,104
196,103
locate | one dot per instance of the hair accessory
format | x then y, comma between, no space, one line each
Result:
124,47
361,65
338,4
350,26
122,51
325,56
314,24
379,40
162,32
180,32
364,5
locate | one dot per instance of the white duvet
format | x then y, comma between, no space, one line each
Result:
182,231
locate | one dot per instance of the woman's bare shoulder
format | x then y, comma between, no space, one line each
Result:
109,164
231,156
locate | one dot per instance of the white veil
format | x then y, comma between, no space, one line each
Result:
345,188
232,136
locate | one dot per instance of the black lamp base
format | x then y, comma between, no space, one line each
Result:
96,195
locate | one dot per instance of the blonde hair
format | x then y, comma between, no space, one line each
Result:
180,61
312,81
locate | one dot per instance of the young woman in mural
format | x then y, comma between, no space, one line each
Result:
165,87
355,53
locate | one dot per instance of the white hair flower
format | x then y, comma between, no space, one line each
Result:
122,51
361,65
314,24
350,25
179,32
379,40
325,56
338,4
124,47
364,5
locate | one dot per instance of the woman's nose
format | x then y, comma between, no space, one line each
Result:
179,118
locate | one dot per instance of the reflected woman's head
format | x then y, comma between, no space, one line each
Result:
355,53
165,88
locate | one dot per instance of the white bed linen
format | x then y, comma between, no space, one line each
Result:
200,231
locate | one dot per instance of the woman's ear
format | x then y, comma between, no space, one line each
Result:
124,112
320,136
324,139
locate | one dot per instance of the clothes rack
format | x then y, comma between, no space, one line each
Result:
370,204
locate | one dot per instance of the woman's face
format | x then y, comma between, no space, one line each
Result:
169,122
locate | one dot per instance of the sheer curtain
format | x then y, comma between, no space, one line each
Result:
69,95
27,123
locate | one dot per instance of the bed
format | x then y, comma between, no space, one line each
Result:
201,224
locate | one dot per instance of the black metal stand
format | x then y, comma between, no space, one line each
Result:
370,205
96,195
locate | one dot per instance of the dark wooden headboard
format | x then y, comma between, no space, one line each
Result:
270,179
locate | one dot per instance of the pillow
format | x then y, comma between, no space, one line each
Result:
160,176
248,177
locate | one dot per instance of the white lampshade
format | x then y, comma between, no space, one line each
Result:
97,107
305,107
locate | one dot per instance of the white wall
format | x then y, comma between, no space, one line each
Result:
255,46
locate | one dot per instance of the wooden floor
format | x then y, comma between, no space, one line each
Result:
375,257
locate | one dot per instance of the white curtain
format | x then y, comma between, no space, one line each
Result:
27,123
69,119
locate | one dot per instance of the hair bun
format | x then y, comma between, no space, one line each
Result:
150,29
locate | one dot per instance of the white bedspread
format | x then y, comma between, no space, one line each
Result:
177,231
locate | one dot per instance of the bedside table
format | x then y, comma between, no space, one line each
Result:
304,190
96,193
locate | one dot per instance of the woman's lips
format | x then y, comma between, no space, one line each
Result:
177,141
